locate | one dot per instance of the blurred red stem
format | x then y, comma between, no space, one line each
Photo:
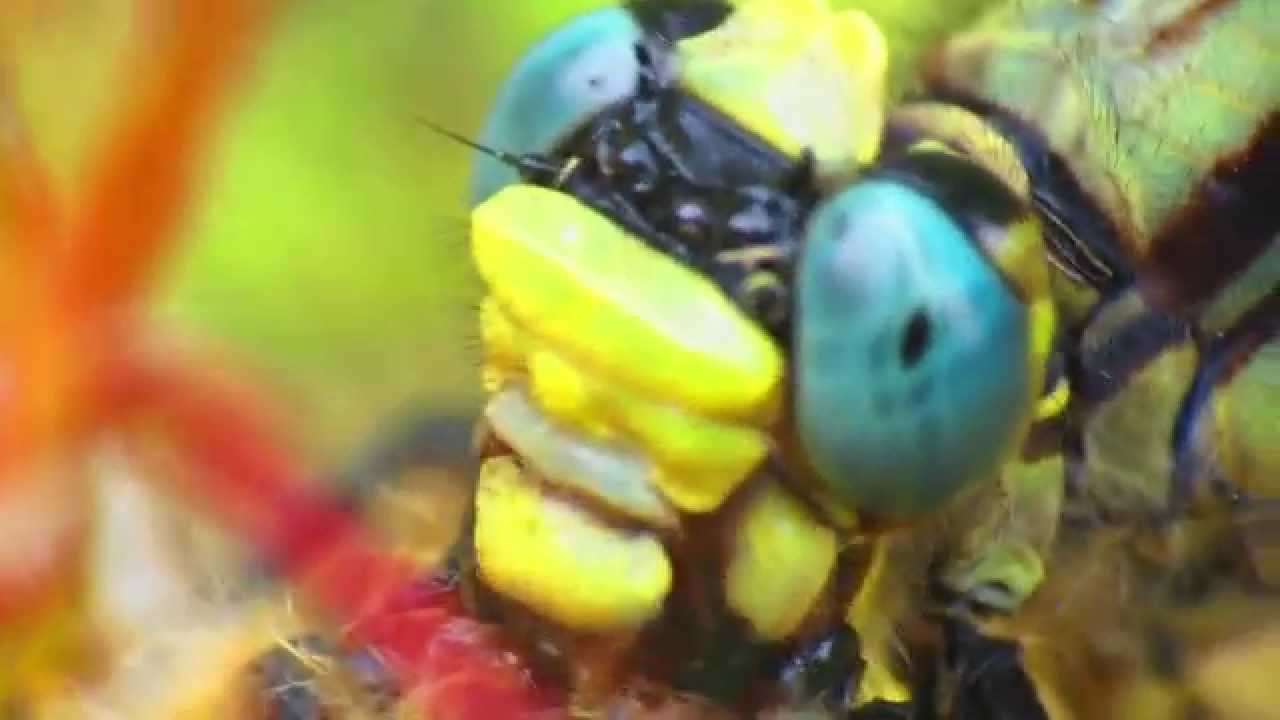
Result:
455,666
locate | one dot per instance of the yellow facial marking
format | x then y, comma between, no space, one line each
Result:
798,75
560,561
876,630
782,558
1018,252
698,460
625,311
1052,404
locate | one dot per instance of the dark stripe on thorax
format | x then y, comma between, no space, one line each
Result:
1102,367
1183,29
1231,218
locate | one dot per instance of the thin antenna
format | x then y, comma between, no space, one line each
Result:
530,165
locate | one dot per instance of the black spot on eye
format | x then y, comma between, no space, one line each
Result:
595,82
915,340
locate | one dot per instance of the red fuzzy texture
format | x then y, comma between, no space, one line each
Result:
452,666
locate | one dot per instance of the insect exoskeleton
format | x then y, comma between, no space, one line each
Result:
1145,136
718,352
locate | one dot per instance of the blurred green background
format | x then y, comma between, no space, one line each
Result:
332,249
327,254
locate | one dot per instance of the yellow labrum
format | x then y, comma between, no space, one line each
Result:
625,312
560,561
781,560
799,76
621,344
697,460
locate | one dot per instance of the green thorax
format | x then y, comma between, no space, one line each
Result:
1155,107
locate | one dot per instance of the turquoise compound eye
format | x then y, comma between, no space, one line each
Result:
911,371
568,77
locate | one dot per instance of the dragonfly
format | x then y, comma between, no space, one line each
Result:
816,380
773,352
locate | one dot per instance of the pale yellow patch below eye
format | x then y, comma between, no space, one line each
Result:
557,559
781,560
799,76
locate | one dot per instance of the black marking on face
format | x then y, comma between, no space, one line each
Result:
1078,234
989,680
967,190
969,193
766,298
696,186
825,670
673,20
686,178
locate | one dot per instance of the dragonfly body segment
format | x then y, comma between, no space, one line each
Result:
1148,137
767,357
1163,114
1145,136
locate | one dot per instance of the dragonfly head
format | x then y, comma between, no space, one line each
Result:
921,330
564,80
914,298
792,73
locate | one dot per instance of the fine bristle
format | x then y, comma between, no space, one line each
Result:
529,165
